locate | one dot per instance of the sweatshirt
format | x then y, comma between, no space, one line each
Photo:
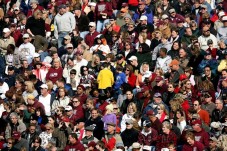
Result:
54,74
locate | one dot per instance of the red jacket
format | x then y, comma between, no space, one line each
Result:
30,12
78,112
132,80
77,147
164,140
103,7
197,146
202,137
110,143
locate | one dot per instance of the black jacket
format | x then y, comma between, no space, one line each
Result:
129,136
82,23
218,115
98,124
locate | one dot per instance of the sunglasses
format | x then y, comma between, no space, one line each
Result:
195,104
10,143
75,101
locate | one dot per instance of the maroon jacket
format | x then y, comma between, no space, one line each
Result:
37,104
54,74
78,112
77,147
149,139
30,12
197,146
103,7
164,140
202,137
89,38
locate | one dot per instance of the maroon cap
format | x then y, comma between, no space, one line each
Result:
79,52
91,144
197,122
124,4
81,86
150,112
179,20
158,79
16,135
145,88
142,2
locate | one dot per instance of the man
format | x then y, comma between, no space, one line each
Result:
37,83
144,24
186,38
208,105
61,84
142,10
200,134
70,115
10,77
213,144
30,134
64,23
165,6
208,75
3,88
27,49
89,38
148,135
155,122
146,96
120,61
63,49
222,32
105,77
218,23
174,16
80,128
20,142
88,136
175,72
163,60
205,36
74,143
136,146
111,138
129,135
33,104
6,40
79,60
46,99
80,94
192,143
96,121
127,20
219,111
82,21
15,124
69,54
204,115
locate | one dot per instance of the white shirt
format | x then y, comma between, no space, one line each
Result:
27,50
3,89
46,103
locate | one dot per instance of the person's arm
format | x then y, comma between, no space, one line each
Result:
55,28
73,22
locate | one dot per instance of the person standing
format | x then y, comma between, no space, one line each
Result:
64,23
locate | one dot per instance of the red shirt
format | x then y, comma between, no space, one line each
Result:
197,146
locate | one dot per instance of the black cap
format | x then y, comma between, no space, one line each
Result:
62,6
11,68
80,120
210,41
77,7
119,56
34,117
89,128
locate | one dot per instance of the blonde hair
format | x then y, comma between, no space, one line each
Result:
144,35
49,84
133,105
36,13
109,108
162,107
1,13
30,86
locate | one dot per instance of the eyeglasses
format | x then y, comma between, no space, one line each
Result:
111,19
25,38
114,36
188,83
65,39
127,70
130,27
90,26
195,104
9,142
47,129
158,109
58,111
70,48
75,101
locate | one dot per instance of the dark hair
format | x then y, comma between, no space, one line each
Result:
38,139
32,77
163,50
73,71
61,80
42,112
101,144
82,70
74,135
70,59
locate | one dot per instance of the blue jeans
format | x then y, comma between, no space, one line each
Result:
61,37
101,24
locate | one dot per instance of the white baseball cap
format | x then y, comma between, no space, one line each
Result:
132,58
224,18
164,16
44,86
92,24
5,30
36,55
143,17
92,4
26,36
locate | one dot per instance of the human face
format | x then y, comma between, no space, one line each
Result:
170,88
145,67
196,105
130,28
187,73
129,95
32,129
91,28
127,20
182,53
13,119
218,104
175,46
141,7
80,91
224,74
188,84
207,71
89,133
76,102
155,19
130,109
174,34
160,110
94,114
127,71
44,91
115,109
10,144
206,32
56,64
50,120
165,2
157,100
49,130
188,32
110,129
190,141
71,139
165,129
61,92
178,115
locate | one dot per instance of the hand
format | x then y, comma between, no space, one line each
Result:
67,124
60,125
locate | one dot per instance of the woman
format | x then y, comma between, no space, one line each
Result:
189,73
61,100
188,91
59,112
36,145
121,97
143,39
55,72
18,88
40,70
42,118
156,38
194,28
53,121
130,76
109,116
46,135
128,50
29,89
86,79
10,145
144,76
94,65
174,52
162,113
131,110
180,120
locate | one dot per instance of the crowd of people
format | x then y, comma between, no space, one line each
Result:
119,75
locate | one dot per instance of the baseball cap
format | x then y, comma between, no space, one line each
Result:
132,58
91,144
124,4
30,97
44,86
16,135
67,37
182,77
174,62
147,123
129,121
5,30
119,56
215,124
36,55
92,24
34,1
65,119
69,45
145,88
111,124
136,145
197,122
62,6
180,20
142,2
150,112
172,10
224,18
158,79
220,14
213,139
123,10
143,17
92,4
157,95
203,6
164,16
26,36
11,68
89,128
68,108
